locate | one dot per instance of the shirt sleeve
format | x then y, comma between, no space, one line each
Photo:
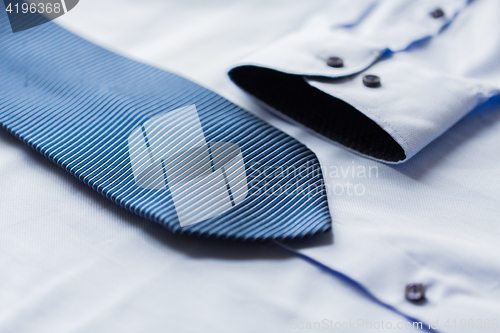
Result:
423,78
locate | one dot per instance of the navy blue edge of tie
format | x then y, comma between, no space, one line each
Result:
77,104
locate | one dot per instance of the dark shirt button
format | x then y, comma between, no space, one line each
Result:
437,13
415,292
335,62
371,81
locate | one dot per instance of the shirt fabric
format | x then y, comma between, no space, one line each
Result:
72,261
431,219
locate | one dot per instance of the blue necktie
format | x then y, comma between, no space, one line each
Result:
156,144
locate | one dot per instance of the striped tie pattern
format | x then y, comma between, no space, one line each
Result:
155,143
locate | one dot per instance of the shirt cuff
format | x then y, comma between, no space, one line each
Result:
413,105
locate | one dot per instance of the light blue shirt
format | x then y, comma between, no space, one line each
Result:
71,261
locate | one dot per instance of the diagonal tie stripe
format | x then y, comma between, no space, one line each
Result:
77,104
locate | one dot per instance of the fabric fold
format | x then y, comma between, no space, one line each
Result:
417,100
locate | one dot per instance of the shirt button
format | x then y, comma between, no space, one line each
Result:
371,81
335,62
415,292
437,13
